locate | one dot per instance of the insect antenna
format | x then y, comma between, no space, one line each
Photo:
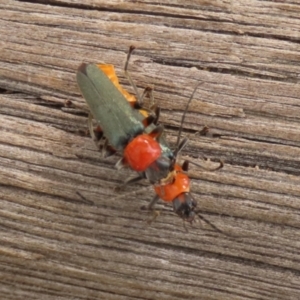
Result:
128,76
212,225
181,144
183,117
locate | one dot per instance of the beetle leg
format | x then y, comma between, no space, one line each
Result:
220,166
130,181
155,213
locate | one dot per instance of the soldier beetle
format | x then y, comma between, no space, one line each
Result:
123,125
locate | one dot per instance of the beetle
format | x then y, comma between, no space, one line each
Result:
123,126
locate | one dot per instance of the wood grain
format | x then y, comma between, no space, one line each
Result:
56,245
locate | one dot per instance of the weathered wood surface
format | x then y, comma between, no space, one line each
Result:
54,245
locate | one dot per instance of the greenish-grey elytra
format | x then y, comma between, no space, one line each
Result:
117,119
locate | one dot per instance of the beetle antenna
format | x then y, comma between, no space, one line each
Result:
85,199
212,225
184,113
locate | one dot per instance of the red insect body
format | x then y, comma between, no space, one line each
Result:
141,152
180,183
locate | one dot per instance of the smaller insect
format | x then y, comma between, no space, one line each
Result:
176,187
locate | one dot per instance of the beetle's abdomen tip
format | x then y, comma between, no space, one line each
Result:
82,68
